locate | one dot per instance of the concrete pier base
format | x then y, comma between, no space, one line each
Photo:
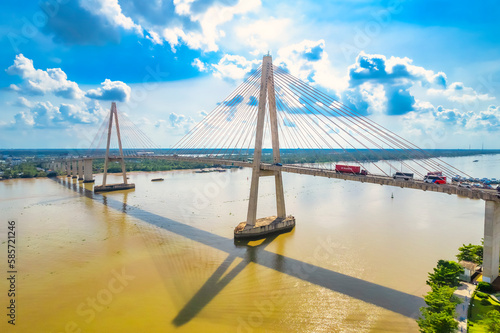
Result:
264,226
113,187
89,181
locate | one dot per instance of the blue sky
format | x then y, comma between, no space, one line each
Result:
428,70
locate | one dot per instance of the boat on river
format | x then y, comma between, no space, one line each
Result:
157,179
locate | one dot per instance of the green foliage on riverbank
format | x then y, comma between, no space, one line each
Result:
446,273
484,314
473,253
23,170
440,312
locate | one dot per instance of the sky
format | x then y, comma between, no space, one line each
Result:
427,70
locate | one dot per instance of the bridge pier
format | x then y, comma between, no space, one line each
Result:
87,171
80,169
254,228
491,251
68,169
74,169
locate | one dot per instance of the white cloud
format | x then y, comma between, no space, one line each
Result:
113,12
47,115
22,102
40,82
232,67
177,122
209,33
262,34
110,91
154,37
488,120
430,121
457,92
401,81
23,119
309,61
199,64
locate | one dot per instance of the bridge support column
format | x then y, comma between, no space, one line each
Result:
68,169
74,170
113,116
80,169
491,241
254,228
87,171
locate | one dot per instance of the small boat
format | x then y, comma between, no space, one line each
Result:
157,179
475,161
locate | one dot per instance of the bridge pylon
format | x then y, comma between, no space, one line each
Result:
253,227
491,240
113,115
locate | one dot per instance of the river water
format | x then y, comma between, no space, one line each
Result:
161,258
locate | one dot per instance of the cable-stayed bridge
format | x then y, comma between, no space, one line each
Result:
272,112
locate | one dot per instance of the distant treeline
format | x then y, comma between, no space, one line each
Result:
372,154
362,155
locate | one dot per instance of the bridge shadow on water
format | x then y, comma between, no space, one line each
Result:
393,300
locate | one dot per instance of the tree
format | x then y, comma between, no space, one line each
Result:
446,273
435,322
472,253
440,312
492,321
443,300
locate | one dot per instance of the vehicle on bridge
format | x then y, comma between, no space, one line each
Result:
403,175
464,184
435,179
341,168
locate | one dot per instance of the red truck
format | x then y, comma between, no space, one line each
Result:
350,169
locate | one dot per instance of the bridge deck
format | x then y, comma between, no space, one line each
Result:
473,193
